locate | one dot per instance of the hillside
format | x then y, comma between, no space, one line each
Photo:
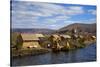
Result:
90,28
33,30
81,27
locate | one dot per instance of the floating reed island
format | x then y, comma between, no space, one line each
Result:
23,44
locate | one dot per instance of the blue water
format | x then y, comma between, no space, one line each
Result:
86,54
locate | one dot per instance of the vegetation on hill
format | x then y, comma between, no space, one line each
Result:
90,28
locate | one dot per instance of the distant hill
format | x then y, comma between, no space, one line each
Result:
81,27
91,28
33,30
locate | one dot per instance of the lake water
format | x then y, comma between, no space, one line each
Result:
86,54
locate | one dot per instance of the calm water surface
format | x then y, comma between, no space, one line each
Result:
80,55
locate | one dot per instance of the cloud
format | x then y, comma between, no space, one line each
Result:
56,19
45,9
73,10
54,9
43,15
36,8
93,12
91,20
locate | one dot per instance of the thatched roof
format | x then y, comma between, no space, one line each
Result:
28,36
66,36
56,36
39,35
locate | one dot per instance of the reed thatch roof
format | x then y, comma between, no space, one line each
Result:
56,36
39,35
66,36
28,36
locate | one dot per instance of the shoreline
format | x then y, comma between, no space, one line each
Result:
39,51
27,52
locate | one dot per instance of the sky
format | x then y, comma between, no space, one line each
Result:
26,14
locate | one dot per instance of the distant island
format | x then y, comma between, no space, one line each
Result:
81,27
38,41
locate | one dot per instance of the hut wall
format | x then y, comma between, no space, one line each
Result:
34,44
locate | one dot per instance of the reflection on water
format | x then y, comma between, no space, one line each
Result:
79,55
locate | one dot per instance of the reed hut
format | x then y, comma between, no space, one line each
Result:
65,41
30,41
55,41
16,40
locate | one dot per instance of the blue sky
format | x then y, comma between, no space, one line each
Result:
26,14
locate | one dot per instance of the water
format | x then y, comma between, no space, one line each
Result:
80,55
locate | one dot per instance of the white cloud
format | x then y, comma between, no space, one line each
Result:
52,9
63,17
37,8
73,10
54,20
93,12
56,26
53,25
46,9
28,14
92,20
76,8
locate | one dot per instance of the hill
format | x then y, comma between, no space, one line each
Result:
90,28
81,27
33,30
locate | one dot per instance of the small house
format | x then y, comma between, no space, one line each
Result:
56,39
30,40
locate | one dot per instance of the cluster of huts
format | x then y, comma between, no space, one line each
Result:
26,40
55,41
